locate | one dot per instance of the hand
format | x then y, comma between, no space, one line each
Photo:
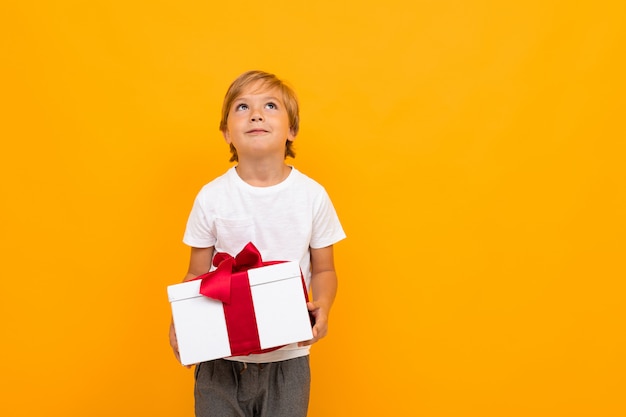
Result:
174,343
321,322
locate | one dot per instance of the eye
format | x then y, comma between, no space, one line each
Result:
241,106
271,106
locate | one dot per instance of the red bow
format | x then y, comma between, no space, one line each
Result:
217,284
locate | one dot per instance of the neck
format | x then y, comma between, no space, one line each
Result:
263,175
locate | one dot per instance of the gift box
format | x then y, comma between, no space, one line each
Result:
245,306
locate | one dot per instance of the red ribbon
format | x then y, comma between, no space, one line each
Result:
229,284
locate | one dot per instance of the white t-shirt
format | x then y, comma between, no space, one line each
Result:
283,221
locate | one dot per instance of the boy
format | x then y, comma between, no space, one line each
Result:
287,216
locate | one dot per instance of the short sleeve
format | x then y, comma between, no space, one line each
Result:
327,229
199,231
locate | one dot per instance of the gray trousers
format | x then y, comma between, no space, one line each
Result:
234,389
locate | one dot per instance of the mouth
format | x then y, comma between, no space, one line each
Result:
256,131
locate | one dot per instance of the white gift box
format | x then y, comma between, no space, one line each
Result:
279,304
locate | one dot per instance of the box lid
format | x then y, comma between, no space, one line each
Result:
184,290
276,272
256,276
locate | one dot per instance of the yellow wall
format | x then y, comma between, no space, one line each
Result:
474,151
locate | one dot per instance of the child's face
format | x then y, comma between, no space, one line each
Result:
258,123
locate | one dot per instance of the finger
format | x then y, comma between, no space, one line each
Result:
311,341
318,335
307,342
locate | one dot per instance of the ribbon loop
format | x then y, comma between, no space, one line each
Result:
248,258
217,284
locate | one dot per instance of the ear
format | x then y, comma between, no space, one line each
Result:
226,135
291,136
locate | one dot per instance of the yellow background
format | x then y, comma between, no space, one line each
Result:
473,149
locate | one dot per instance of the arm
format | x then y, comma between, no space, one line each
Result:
199,263
324,289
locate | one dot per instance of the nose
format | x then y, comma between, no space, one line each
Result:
256,116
